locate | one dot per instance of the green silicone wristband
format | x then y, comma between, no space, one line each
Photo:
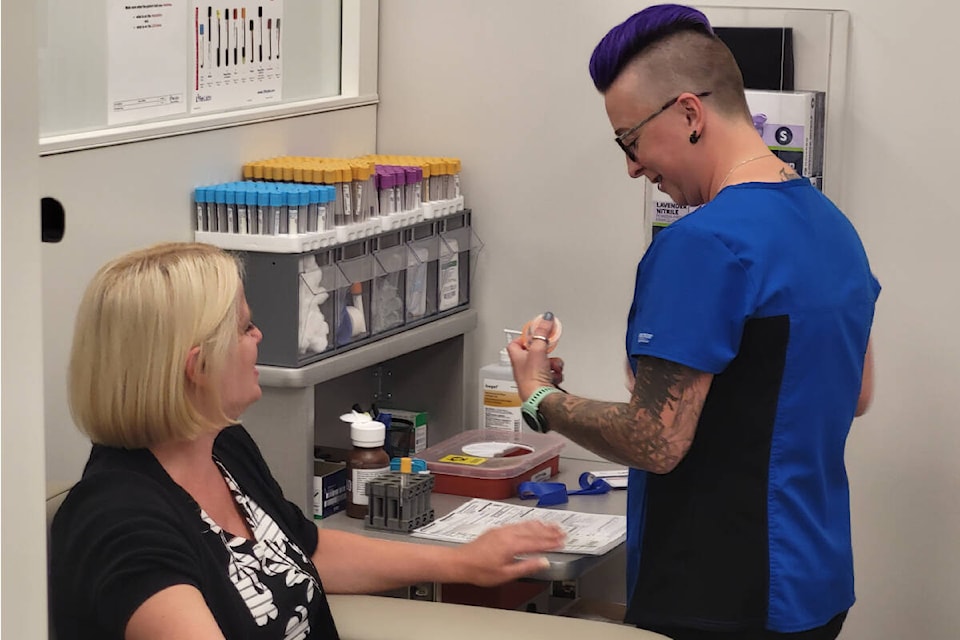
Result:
533,402
530,409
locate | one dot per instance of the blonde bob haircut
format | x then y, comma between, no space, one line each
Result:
138,320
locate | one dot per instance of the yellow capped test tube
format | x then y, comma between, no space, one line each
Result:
333,176
456,177
425,185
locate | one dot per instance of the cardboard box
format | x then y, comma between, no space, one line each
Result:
406,432
329,488
791,123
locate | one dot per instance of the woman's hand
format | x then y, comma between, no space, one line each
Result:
532,368
492,558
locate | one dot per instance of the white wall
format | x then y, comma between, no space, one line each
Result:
504,85
21,443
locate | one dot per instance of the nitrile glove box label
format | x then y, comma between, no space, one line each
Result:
663,211
791,124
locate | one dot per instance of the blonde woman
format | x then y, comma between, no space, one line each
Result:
177,528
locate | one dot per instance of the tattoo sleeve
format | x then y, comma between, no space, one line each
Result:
653,431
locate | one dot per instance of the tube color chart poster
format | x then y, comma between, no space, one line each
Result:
237,54
146,41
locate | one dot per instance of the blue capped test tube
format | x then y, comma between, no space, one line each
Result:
230,198
304,206
313,205
293,211
200,196
242,219
251,198
220,203
263,211
277,217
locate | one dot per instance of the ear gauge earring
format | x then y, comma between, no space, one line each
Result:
694,137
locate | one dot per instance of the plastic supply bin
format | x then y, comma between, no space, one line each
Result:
354,283
389,284
459,249
423,246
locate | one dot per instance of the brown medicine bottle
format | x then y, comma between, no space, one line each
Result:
367,460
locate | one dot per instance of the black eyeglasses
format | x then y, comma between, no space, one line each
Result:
628,148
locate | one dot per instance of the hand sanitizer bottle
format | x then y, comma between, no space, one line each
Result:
499,397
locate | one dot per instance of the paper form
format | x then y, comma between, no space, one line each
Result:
236,60
587,533
147,54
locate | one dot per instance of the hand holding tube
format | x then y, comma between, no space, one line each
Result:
532,368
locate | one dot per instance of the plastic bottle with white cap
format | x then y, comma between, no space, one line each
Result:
366,461
499,397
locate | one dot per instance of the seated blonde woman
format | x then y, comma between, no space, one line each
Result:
177,528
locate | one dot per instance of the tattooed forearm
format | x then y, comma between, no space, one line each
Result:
653,431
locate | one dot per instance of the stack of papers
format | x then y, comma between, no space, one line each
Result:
587,533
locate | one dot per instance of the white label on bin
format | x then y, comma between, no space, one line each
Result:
501,405
450,277
359,480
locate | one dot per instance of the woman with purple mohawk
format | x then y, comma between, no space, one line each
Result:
748,348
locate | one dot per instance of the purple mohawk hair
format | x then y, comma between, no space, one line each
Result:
636,33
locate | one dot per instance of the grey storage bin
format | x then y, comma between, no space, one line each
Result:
291,298
319,302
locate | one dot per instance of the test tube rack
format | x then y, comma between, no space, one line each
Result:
399,501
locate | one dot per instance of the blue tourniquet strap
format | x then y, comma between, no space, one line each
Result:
549,494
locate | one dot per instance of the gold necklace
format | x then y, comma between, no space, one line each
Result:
738,165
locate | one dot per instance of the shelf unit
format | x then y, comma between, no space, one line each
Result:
300,407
